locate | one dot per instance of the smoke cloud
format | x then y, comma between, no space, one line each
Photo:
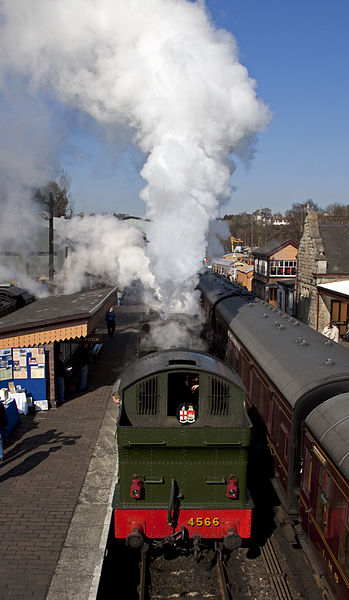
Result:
25,157
161,68
93,240
218,231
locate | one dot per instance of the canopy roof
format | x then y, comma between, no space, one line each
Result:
56,318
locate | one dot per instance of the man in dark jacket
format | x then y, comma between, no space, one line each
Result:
60,379
110,318
3,425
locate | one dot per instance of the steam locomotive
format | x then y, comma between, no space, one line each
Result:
297,384
183,436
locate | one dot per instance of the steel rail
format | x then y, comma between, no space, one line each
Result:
222,576
275,572
142,573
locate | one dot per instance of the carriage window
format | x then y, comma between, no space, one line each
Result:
307,470
219,396
183,388
245,375
343,551
323,499
285,442
147,396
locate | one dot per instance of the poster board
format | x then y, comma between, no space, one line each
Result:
24,367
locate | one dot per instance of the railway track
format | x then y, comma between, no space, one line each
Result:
181,575
214,575
276,574
276,570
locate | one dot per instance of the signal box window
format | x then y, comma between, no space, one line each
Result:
183,388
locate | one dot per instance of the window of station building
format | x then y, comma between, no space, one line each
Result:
340,314
273,294
282,268
183,388
262,267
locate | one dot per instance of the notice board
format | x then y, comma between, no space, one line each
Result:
25,367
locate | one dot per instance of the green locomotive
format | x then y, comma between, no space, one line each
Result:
183,436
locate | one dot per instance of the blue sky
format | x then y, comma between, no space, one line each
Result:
298,53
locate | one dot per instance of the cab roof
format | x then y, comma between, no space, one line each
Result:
171,360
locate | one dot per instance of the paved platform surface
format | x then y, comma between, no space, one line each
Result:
56,484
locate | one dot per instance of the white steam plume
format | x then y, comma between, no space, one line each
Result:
218,231
26,150
162,68
109,249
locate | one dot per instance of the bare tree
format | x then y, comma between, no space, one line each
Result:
335,212
296,217
55,199
57,191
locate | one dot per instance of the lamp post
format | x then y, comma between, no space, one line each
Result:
50,239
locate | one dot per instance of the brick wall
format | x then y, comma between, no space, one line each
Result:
288,253
312,309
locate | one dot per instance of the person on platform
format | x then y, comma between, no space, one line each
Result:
110,318
126,296
84,366
3,426
331,331
345,337
60,379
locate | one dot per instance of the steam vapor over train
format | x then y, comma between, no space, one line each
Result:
297,384
183,436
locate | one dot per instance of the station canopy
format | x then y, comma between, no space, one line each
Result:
336,287
56,318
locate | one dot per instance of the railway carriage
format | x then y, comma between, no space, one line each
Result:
287,368
183,436
324,496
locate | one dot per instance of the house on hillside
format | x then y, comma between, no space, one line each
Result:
323,273
275,261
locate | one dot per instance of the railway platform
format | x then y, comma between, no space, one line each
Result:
56,483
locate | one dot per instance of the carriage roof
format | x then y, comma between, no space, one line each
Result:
295,357
329,423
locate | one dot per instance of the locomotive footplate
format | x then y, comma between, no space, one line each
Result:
206,523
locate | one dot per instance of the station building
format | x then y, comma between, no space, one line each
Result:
32,337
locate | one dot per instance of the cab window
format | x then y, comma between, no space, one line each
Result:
183,388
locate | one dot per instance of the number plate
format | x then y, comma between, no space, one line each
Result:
203,522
